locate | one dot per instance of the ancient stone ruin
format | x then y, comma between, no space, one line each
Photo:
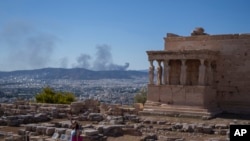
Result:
101,121
200,75
37,120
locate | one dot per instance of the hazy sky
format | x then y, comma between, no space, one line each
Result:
105,34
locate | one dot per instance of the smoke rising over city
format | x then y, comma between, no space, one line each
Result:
83,61
26,47
102,61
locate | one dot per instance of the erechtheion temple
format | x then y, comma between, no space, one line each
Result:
200,75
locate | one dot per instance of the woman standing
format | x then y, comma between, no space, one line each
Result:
75,133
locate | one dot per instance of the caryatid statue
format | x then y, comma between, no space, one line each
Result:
159,73
151,73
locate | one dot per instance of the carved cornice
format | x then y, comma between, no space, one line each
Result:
207,37
183,55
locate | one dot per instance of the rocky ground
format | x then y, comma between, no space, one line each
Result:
166,128
108,123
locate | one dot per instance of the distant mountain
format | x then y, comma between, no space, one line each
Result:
73,74
146,70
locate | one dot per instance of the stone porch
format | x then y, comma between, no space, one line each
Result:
183,83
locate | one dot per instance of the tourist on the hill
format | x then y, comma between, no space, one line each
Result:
75,133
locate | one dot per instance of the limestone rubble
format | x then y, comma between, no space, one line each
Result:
113,121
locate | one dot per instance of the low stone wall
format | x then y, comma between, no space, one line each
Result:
17,120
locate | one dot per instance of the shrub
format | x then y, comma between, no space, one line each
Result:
48,95
141,96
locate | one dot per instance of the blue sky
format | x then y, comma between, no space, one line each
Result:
73,33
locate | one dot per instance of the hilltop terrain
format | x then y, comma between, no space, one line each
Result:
73,74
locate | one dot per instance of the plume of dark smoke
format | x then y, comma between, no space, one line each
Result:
118,67
28,48
83,61
103,57
103,60
39,49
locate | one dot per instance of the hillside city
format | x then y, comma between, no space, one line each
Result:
113,91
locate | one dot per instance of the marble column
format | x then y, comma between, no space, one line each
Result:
209,73
202,71
183,72
151,72
159,73
166,72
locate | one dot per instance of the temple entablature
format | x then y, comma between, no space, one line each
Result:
182,54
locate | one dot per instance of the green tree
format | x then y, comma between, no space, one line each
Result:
141,96
48,95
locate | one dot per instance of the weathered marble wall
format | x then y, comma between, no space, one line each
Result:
201,96
232,75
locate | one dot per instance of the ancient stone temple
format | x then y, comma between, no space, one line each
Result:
200,75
